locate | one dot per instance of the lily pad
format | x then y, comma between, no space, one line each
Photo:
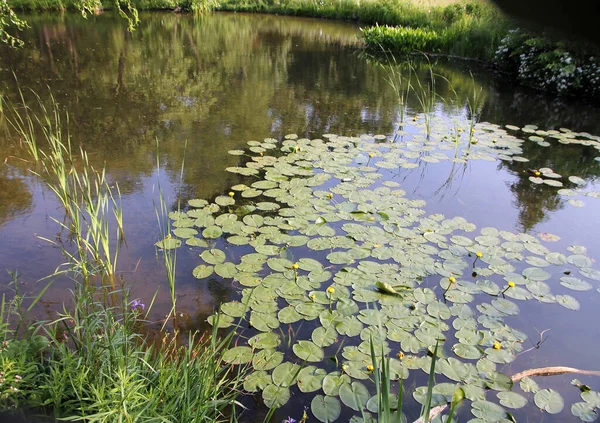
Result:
549,400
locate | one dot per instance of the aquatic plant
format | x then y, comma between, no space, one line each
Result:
431,280
89,201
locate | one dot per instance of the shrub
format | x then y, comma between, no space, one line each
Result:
540,61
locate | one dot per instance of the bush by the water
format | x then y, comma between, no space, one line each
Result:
540,61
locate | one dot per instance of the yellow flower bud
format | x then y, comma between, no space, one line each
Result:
330,290
511,284
231,193
497,345
452,279
295,266
479,254
370,367
400,355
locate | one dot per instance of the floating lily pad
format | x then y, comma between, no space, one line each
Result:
308,351
549,400
325,408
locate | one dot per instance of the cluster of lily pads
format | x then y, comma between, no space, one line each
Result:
329,256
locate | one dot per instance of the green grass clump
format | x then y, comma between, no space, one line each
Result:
92,363
471,30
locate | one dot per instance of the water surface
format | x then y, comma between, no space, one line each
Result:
185,87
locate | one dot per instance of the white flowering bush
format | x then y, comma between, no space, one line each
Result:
548,65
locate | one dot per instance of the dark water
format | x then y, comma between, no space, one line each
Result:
202,86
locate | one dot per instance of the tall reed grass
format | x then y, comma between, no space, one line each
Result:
99,361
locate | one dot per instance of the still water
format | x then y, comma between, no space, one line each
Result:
191,88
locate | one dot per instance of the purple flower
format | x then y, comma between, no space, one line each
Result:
289,420
137,305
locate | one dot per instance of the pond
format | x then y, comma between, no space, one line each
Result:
296,140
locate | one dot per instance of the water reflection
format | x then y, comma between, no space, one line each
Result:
201,86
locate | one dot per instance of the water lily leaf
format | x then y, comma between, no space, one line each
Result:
499,356
238,355
197,203
529,385
553,182
221,320
323,337
556,259
212,232
488,411
592,398
579,260
505,306
575,283
333,381
202,271
310,379
213,256
275,396
568,302
577,180
590,273
549,400
326,409
234,309
512,399
268,340
469,352
354,395
584,411
286,374
289,315
308,351
224,200
267,359
169,243
536,274
257,381
226,270
185,232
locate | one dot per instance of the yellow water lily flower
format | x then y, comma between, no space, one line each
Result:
497,345
511,284
479,254
231,193
330,290
452,279
370,367
400,355
295,266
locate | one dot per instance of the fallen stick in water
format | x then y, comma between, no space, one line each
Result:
541,371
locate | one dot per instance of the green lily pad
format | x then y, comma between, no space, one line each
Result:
268,340
169,243
212,232
488,411
549,400
326,409
310,379
308,351
238,355
267,359
275,396
354,395
202,271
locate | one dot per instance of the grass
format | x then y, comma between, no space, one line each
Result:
99,361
